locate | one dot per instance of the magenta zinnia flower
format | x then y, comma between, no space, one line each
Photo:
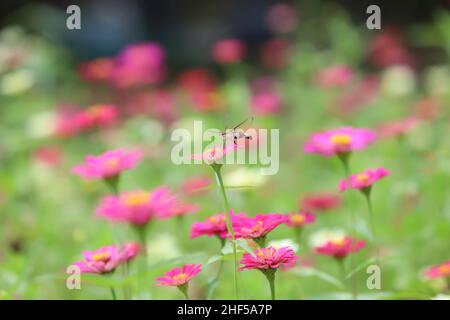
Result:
138,207
364,180
258,227
300,219
215,155
339,248
268,258
130,251
103,260
109,164
213,226
321,201
439,271
337,141
335,76
179,276
228,51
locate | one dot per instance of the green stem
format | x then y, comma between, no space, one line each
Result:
342,270
298,231
344,158
113,185
371,222
113,293
270,275
184,289
229,225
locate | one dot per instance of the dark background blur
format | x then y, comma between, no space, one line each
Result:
187,29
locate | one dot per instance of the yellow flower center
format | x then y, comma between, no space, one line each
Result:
257,227
341,140
362,177
297,218
103,256
180,277
94,110
113,163
137,198
217,220
339,242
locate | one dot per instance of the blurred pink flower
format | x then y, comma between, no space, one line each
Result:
340,248
213,226
257,227
268,258
364,180
363,93
341,140
276,54
180,276
100,115
228,51
266,103
109,164
51,156
179,209
215,155
389,48
334,76
196,185
139,64
321,201
282,18
138,207
130,251
439,271
103,260
97,70
300,219
399,127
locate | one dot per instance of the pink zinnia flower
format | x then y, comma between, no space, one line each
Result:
99,69
213,226
258,227
139,64
215,155
268,258
341,247
399,127
103,260
138,207
100,115
179,209
300,219
228,51
276,53
335,76
180,276
267,103
439,271
196,185
339,141
130,251
321,201
364,180
109,164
